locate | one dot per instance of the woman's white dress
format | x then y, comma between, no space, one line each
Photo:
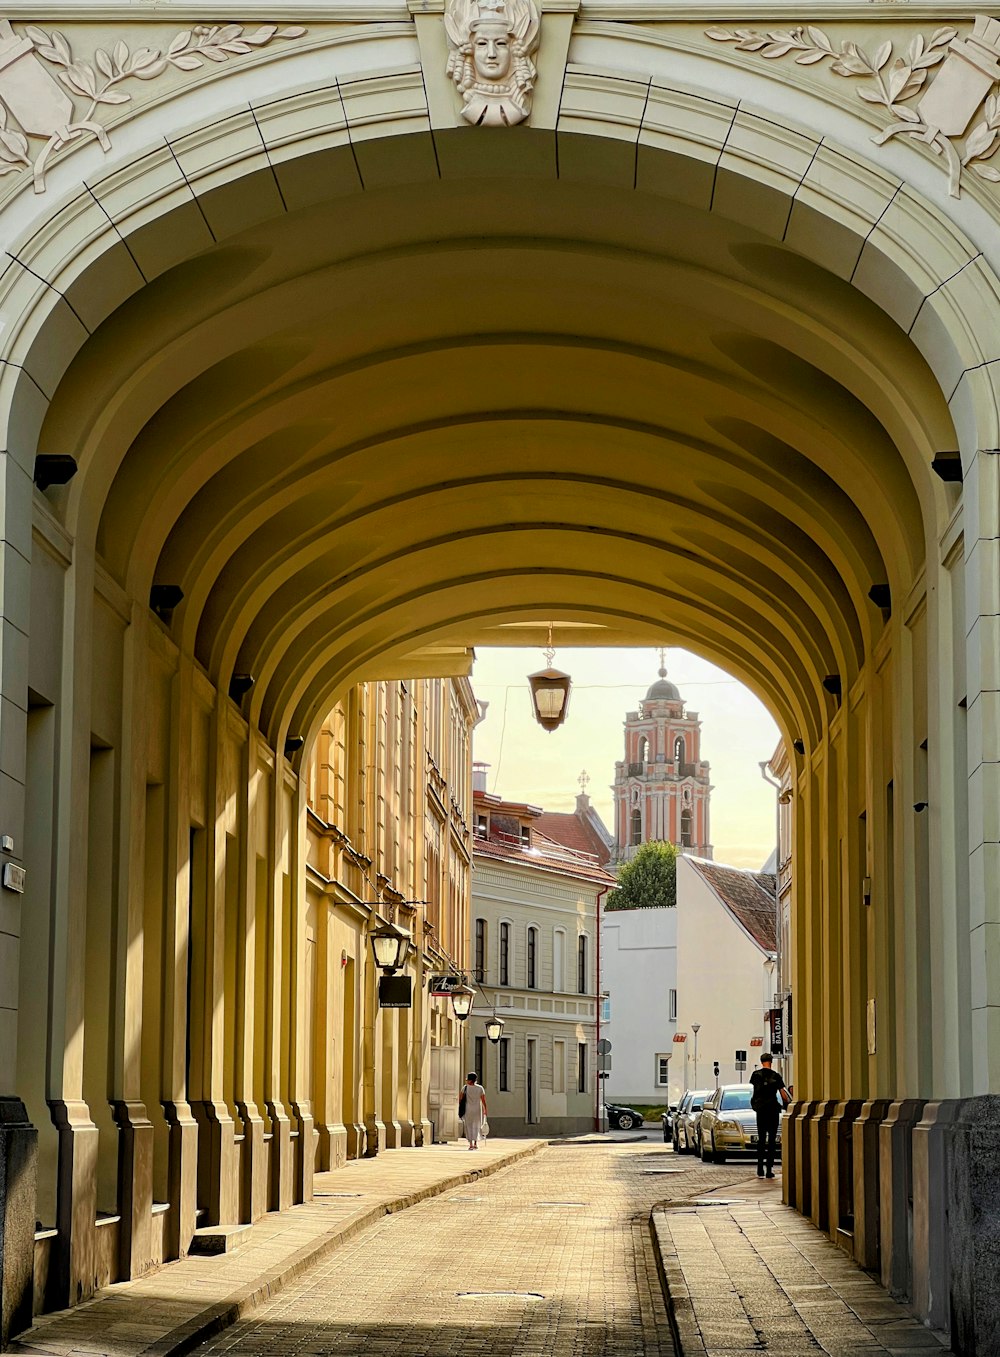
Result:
473,1119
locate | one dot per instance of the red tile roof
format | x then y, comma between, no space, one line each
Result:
544,854
749,897
574,831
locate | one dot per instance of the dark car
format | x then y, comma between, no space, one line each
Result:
685,1123
668,1122
622,1118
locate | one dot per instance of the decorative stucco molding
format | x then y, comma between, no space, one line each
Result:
491,44
46,105
951,97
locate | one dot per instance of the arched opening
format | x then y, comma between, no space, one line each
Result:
662,421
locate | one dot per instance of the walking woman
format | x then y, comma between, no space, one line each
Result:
474,1115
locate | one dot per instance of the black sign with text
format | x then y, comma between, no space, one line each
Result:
395,991
777,1031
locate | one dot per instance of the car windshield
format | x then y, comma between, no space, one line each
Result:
736,1099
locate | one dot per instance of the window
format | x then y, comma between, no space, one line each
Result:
505,954
482,826
481,950
503,1050
662,1071
532,958
525,836
736,1100
685,829
559,960
679,750
644,750
581,964
605,1008
558,1067
636,834
672,999
581,1067
481,1059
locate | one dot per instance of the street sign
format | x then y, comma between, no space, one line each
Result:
741,1056
604,1063
602,1074
603,1046
777,1031
444,985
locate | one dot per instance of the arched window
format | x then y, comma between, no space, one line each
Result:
481,950
686,829
636,831
679,749
559,960
505,954
532,958
643,750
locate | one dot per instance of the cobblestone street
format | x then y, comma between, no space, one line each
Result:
565,1234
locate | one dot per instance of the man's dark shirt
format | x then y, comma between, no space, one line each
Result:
767,1085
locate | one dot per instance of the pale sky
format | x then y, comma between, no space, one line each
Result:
530,764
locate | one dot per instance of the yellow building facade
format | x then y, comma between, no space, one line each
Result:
327,355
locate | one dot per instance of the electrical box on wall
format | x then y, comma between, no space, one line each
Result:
13,877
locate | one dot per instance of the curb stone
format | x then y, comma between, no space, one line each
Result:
680,1309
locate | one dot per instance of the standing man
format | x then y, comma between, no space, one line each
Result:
768,1098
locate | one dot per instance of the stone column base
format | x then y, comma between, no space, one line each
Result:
18,1160
135,1189
840,1173
931,1266
253,1189
281,1167
819,1154
218,1173
867,1194
896,1194
182,1178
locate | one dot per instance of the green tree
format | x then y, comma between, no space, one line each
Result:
649,878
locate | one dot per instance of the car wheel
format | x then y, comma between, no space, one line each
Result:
717,1157
666,1138
625,1122
699,1149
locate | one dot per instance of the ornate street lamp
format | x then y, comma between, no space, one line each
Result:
494,1029
389,946
462,999
550,692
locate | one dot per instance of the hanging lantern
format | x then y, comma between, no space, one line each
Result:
389,946
494,1029
462,999
550,692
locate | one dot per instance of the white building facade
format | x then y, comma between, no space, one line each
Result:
725,939
639,965
534,961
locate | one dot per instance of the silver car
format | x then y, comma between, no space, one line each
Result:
687,1118
728,1125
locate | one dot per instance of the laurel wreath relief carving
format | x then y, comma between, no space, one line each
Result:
34,106
965,84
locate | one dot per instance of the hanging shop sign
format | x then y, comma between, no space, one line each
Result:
395,991
444,985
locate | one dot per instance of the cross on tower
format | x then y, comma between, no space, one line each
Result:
584,781
663,662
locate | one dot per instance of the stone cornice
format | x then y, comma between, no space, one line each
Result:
629,11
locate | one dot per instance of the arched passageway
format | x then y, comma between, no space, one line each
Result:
345,410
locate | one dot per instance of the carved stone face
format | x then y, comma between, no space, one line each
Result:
491,51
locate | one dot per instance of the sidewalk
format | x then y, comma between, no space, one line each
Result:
744,1273
171,1310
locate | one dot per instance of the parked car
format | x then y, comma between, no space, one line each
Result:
728,1124
668,1122
622,1118
687,1118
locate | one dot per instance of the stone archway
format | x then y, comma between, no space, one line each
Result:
370,387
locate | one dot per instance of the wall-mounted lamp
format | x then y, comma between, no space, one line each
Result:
389,946
54,469
164,598
550,690
240,685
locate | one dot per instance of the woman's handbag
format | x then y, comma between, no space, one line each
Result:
484,1130
461,1104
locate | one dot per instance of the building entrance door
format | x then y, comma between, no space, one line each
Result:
530,1080
442,1095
